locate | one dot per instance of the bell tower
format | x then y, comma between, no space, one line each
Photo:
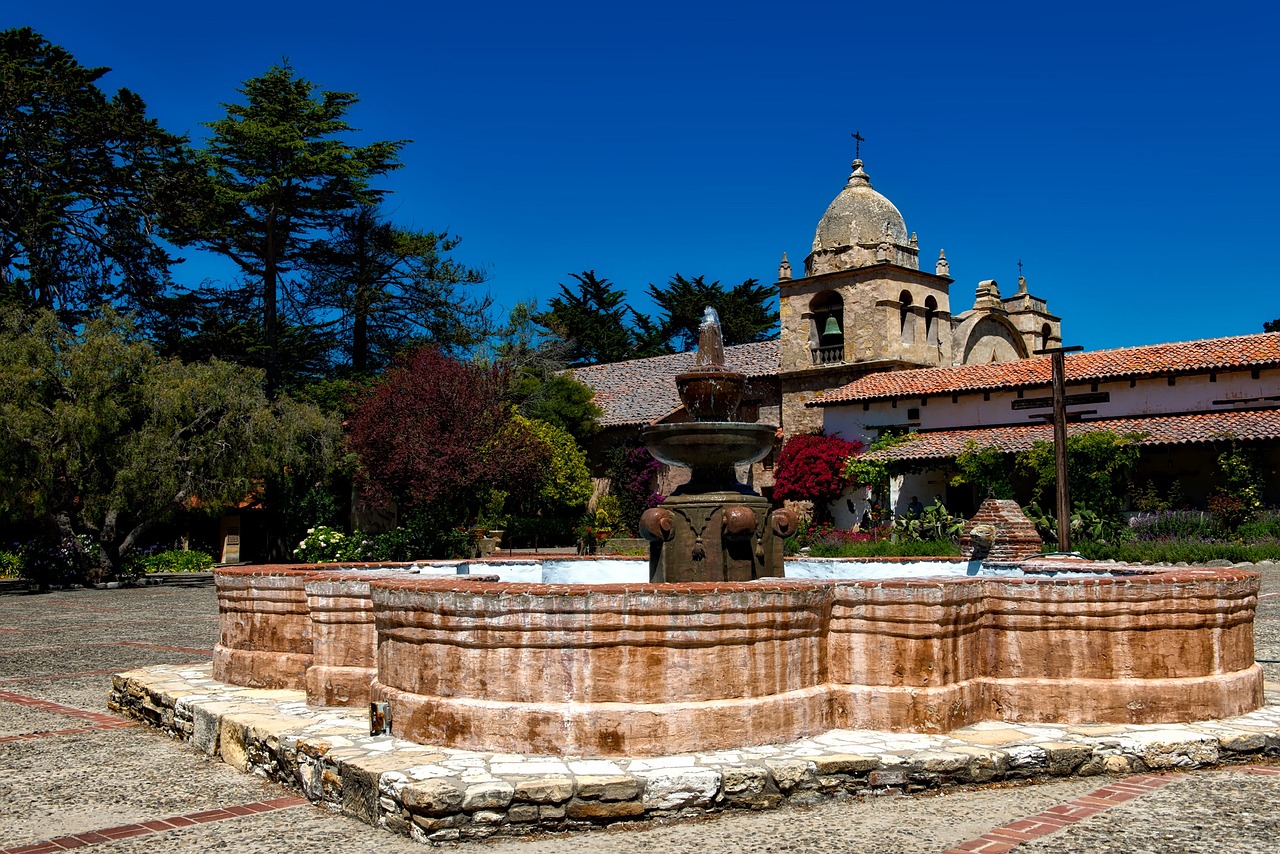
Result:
863,303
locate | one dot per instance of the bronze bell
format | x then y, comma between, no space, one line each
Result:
832,328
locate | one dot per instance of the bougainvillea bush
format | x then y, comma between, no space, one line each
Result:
812,468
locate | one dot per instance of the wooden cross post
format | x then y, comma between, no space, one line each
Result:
1060,440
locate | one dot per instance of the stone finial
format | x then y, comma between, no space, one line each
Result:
1022,286
987,294
943,268
859,176
913,242
784,269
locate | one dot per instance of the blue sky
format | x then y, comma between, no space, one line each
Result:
1125,153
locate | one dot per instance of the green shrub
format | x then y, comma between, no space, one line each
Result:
886,548
1178,551
10,564
173,560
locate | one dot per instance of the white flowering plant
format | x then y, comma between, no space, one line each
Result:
323,544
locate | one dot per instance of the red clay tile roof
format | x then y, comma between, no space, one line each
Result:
1179,357
1245,425
643,391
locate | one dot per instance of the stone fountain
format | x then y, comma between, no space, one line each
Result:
713,528
719,652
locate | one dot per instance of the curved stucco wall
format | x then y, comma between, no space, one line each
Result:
601,669
644,669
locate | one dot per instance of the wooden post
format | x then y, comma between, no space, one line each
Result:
1059,368
1060,449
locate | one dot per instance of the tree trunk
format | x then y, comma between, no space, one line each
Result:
270,320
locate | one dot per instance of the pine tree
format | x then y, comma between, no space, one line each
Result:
283,179
88,184
388,287
596,322
746,311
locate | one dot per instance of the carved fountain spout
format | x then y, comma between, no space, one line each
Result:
713,528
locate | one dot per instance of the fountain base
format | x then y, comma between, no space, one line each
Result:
716,536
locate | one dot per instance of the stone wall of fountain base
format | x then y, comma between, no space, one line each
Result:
645,669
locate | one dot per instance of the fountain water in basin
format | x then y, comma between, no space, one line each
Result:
713,528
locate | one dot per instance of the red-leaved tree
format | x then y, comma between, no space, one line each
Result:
811,468
433,432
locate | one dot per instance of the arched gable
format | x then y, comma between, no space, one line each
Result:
989,338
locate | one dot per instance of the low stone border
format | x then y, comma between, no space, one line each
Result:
436,794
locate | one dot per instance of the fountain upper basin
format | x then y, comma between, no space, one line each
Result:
696,444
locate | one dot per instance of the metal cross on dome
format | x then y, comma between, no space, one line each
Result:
857,145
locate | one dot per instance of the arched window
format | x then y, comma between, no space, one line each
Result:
826,329
931,320
1046,336
906,327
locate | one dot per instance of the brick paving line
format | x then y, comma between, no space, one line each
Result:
1010,835
135,644
59,709
46,629
27,736
147,828
15,679
82,607
138,645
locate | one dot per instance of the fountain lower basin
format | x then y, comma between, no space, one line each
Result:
647,669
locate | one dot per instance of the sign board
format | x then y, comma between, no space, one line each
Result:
1072,399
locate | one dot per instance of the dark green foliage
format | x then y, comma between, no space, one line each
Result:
1271,325
1098,469
104,439
632,473
886,548
747,311
424,532
228,324
173,560
1238,496
87,185
385,288
537,531
557,399
1177,551
988,470
537,384
10,564
597,324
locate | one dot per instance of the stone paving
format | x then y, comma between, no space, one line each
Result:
435,794
72,774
